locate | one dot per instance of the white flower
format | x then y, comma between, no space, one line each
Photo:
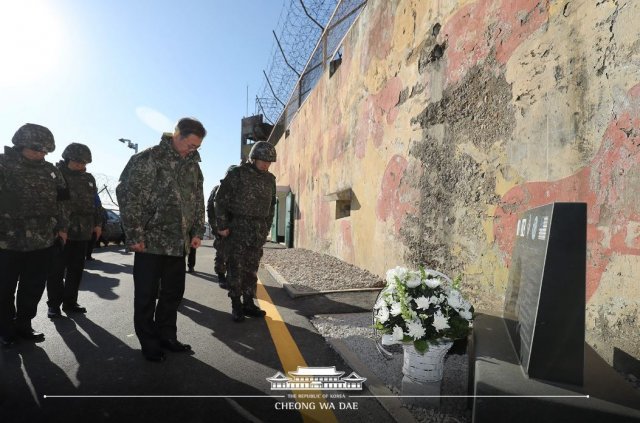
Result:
465,314
455,299
440,322
423,302
433,283
383,315
389,289
399,272
380,303
415,329
466,305
402,316
413,279
397,333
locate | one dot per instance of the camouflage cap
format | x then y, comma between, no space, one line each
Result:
264,151
35,137
77,152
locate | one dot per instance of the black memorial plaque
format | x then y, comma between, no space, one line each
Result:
545,299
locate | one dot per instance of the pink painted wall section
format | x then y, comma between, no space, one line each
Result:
380,41
477,27
376,112
387,99
391,199
603,185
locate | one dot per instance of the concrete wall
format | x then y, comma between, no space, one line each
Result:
448,118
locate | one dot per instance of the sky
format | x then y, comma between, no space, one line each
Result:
97,71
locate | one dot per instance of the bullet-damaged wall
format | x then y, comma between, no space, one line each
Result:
446,119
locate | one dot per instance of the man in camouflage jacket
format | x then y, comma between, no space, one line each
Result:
84,219
244,208
162,209
32,217
220,261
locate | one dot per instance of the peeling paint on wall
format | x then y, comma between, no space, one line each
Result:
489,27
456,185
446,119
390,201
604,185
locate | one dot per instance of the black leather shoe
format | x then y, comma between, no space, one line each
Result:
30,335
174,345
253,310
222,281
250,308
154,355
6,341
54,312
190,270
74,308
237,315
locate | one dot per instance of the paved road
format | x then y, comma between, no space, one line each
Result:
89,368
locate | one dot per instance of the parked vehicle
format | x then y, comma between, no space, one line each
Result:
112,230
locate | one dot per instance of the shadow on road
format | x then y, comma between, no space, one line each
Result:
102,286
96,363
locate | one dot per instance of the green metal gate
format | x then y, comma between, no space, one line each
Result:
288,231
274,223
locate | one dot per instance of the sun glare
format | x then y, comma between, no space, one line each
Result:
31,40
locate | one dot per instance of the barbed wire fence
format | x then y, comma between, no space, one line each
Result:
306,38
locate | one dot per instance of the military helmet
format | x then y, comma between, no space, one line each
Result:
35,137
264,151
77,152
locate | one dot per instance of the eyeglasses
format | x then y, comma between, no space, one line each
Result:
191,146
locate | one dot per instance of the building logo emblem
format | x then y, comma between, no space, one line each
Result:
313,378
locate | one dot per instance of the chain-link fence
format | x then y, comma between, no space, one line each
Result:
307,38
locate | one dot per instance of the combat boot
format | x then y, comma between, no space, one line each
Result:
222,281
237,314
250,309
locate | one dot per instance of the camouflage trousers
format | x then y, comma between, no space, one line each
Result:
243,263
220,262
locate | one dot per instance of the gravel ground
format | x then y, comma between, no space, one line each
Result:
320,272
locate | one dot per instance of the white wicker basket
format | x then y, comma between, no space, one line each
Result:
427,367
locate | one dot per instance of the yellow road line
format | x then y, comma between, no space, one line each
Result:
291,357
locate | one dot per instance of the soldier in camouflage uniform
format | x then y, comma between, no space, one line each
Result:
244,207
84,219
32,217
162,210
220,262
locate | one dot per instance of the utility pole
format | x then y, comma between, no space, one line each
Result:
130,144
